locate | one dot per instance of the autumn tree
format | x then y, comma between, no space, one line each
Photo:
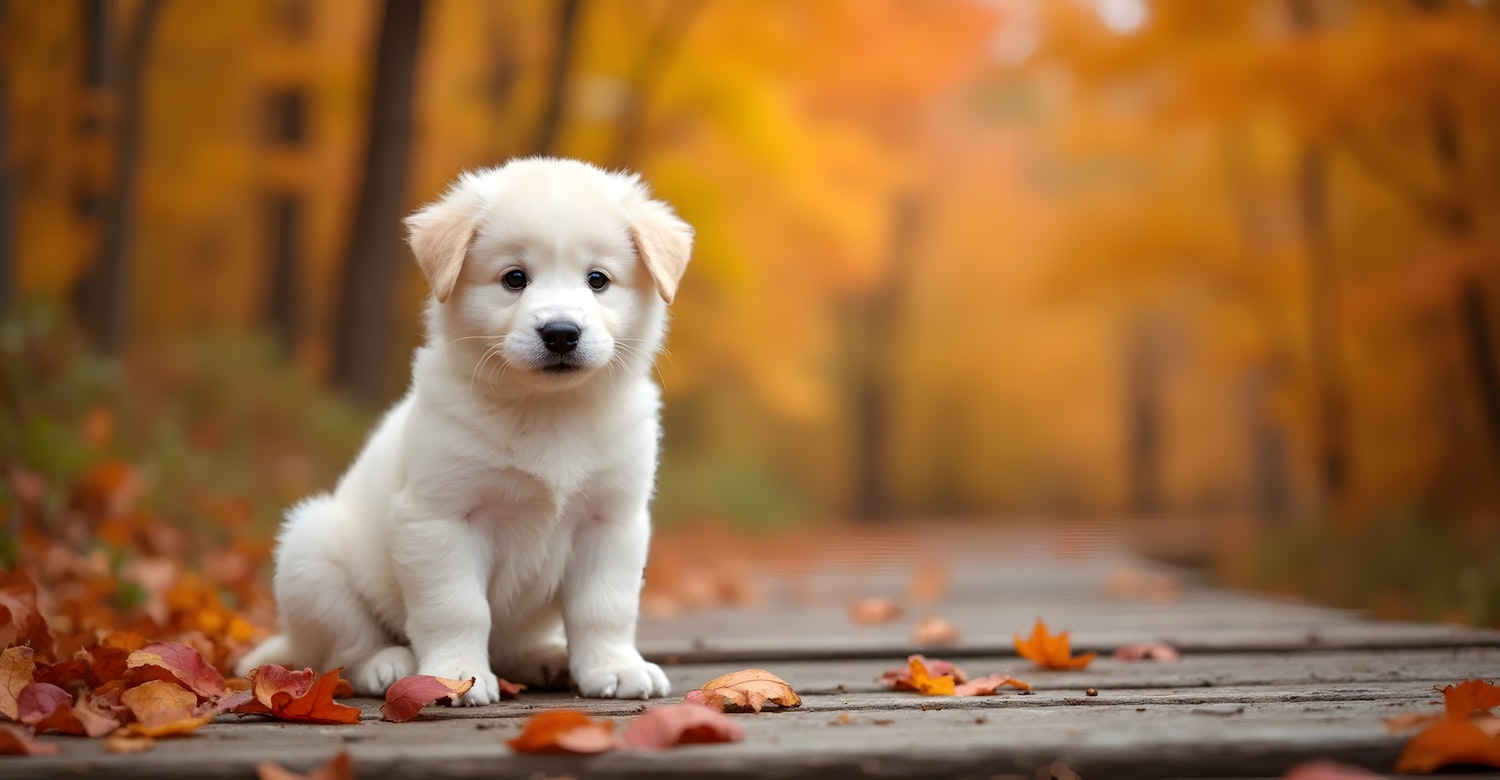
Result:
374,254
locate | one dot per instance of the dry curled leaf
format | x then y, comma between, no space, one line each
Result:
990,685
340,767
873,611
297,696
679,724
934,631
164,709
564,731
1148,651
17,667
46,707
1048,651
410,694
749,689
176,662
14,741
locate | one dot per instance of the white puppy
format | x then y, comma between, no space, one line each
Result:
497,519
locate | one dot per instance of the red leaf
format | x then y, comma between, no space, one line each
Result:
21,623
175,662
411,693
46,707
298,696
1153,651
15,742
679,724
564,731
988,686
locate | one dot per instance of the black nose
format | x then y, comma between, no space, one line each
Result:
559,337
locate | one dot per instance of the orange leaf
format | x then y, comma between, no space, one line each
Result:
925,683
564,731
1452,741
176,662
869,612
15,742
341,767
21,623
16,669
413,692
1050,652
164,709
901,679
124,743
287,695
988,686
679,724
748,689
1470,697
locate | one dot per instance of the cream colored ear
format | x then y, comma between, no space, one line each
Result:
440,235
664,243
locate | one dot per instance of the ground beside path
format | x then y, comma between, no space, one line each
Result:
1263,684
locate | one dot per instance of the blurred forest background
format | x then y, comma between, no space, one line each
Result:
1223,270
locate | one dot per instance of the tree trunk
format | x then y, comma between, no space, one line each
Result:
562,63
372,261
284,296
875,323
646,76
103,292
7,197
1143,416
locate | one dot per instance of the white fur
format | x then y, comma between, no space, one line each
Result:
497,519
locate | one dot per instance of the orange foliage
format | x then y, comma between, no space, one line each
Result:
1048,651
564,731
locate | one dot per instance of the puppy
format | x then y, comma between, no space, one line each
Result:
497,519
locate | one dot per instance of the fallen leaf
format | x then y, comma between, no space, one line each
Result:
989,686
21,623
1152,651
46,707
1409,721
1328,770
1452,741
410,694
297,696
124,743
1048,651
176,662
901,679
17,666
843,719
564,731
164,709
1470,697
925,683
679,724
873,611
934,631
16,742
748,689
340,767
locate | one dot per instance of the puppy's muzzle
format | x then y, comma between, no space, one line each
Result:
559,337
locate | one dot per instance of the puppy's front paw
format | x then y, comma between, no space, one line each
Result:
486,688
382,670
622,679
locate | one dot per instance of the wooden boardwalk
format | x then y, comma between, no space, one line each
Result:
1263,684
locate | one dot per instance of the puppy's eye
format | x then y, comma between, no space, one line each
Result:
515,280
598,280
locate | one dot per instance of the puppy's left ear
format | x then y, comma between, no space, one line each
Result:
662,240
440,235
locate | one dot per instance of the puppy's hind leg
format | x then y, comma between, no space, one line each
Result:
325,623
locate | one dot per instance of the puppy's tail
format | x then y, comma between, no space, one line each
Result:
276,650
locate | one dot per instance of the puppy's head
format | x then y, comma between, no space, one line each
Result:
546,272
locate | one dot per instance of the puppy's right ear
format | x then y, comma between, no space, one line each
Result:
440,235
